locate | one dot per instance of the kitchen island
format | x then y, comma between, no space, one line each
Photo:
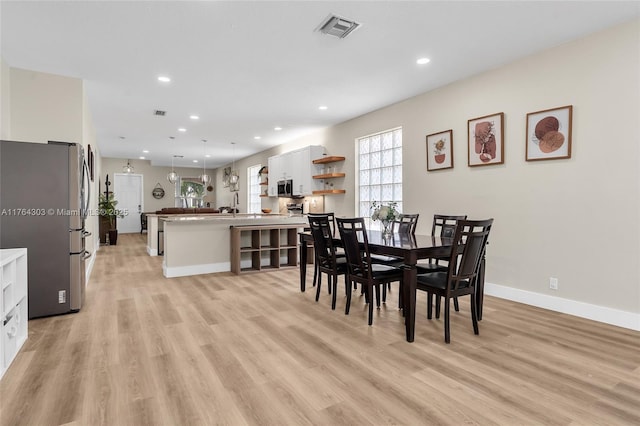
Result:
201,244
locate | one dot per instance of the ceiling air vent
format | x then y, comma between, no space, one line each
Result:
337,26
160,113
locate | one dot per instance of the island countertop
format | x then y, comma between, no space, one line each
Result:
156,222
200,244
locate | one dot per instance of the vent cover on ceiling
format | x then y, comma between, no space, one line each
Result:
337,26
159,112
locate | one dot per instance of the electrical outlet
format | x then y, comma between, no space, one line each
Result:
553,283
62,296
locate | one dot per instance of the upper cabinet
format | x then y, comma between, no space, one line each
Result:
298,167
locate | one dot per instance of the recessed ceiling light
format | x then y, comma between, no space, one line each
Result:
194,117
322,107
257,137
208,155
182,129
164,79
422,61
277,129
142,158
195,161
146,151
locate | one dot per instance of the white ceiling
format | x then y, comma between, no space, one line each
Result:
247,66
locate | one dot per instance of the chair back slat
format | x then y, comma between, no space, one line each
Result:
332,221
445,225
405,224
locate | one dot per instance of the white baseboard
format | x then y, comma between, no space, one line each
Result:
92,260
152,252
603,314
184,271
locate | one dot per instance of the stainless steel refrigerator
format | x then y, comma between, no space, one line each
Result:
44,196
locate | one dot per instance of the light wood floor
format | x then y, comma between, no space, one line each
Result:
252,349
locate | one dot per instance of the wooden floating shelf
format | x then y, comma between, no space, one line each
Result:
329,191
263,195
264,183
328,159
329,175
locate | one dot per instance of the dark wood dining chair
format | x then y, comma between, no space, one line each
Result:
442,226
405,224
334,232
361,269
460,278
326,260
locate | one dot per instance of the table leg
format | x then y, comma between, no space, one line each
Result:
303,263
409,300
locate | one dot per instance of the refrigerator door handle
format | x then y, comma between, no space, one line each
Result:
87,254
87,188
86,233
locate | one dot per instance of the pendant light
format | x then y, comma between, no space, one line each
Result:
173,176
204,177
128,168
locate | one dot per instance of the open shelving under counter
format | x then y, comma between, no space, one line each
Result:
13,304
256,248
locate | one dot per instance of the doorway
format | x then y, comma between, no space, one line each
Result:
127,189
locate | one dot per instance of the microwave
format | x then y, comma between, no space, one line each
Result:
285,188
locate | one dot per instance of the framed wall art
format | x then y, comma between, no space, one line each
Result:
549,134
440,150
226,176
486,140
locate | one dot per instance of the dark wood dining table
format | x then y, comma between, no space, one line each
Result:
409,248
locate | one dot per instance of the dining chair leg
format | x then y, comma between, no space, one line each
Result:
447,332
400,290
316,272
378,296
455,304
438,301
474,314
429,305
318,287
370,293
334,283
384,293
347,284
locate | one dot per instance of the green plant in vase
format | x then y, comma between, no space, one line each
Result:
107,209
385,213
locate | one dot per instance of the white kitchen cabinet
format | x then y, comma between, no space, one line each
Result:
296,165
13,304
274,165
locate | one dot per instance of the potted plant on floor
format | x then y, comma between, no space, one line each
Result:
107,205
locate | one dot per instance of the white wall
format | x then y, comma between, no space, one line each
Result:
5,95
41,107
574,219
45,107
